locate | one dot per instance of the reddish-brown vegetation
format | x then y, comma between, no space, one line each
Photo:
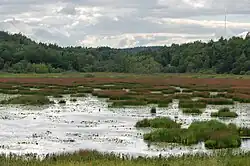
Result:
140,87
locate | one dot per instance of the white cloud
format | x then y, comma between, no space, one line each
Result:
123,23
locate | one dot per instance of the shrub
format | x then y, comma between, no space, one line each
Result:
158,123
28,100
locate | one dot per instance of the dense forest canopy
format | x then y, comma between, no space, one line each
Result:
20,54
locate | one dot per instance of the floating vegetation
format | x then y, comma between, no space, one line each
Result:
224,112
158,123
217,101
28,100
216,135
62,102
192,111
78,95
191,104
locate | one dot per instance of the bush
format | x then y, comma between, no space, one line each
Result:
28,100
158,123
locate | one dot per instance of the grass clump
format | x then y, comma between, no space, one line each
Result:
121,103
158,123
217,101
192,111
58,96
170,91
215,134
28,100
224,112
191,104
153,110
78,95
73,100
62,102
244,132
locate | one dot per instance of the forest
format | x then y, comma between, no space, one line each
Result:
19,54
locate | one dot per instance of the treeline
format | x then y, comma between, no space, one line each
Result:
19,54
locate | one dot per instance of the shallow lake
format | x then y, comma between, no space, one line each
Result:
90,124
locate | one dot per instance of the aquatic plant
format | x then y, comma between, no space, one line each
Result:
224,112
216,135
153,110
62,102
78,95
191,104
162,122
192,111
28,100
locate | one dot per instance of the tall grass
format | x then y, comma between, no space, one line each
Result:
224,112
94,158
216,135
158,123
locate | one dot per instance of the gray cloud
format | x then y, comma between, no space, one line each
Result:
123,23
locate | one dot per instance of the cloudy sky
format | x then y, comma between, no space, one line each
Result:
123,23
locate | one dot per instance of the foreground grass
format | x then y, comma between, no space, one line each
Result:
93,158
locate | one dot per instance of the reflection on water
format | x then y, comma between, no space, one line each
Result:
90,124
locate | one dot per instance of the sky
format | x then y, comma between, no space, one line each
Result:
124,23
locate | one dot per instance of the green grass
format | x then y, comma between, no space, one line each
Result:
78,95
217,101
122,103
191,104
28,100
216,135
158,123
244,132
94,158
192,111
224,112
